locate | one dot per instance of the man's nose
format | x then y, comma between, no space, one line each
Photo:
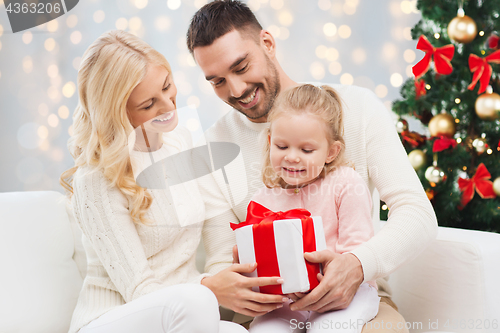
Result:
236,87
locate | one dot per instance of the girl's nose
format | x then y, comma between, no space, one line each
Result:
292,158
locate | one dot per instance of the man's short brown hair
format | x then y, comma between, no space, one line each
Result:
219,17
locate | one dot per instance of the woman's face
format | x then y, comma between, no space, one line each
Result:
152,102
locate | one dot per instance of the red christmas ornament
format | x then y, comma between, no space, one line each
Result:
482,70
443,143
479,182
493,41
442,58
420,88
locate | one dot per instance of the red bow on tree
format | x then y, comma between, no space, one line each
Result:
442,58
420,88
482,70
480,183
443,143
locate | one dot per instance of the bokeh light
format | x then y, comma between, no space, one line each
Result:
389,51
359,56
193,100
381,91
76,37
332,54
276,4
1,30
52,120
349,9
199,3
409,55
407,33
63,112
317,70
173,4
99,16
324,4
192,124
27,64
396,80
406,7
76,63
27,37
69,89
347,79
52,26
329,29
321,51
335,68
72,21
141,3
121,23
162,23
135,23
344,31
52,70
286,18
42,132
49,44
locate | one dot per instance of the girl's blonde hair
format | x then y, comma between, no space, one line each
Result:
321,102
110,69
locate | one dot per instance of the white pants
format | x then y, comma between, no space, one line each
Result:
363,308
186,308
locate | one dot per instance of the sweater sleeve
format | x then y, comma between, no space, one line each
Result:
354,212
103,215
412,224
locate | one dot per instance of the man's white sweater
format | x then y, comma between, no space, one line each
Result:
373,146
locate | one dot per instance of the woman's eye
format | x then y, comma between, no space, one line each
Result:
166,88
149,106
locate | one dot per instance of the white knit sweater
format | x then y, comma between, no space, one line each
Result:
374,147
127,260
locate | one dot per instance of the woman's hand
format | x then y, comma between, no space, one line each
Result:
234,290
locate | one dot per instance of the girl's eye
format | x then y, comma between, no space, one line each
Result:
307,151
166,88
281,147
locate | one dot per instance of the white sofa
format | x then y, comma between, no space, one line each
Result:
43,265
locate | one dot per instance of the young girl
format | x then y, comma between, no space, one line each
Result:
304,167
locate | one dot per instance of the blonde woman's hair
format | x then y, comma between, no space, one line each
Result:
321,102
110,69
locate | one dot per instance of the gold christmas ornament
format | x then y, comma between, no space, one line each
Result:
401,125
417,159
488,105
480,145
462,29
496,186
442,124
435,175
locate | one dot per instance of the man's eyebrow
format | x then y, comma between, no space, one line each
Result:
234,64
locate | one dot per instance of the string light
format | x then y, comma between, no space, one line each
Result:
428,86
457,100
459,140
437,35
481,33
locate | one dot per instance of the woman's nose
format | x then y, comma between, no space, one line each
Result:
167,105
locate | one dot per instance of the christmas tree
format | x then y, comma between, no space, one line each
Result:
454,94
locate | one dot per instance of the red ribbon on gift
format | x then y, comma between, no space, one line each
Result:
262,220
480,183
482,70
420,88
442,58
443,143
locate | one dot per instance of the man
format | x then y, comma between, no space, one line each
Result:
239,59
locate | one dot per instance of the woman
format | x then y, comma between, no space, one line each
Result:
139,255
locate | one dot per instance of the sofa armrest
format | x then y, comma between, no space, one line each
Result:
452,285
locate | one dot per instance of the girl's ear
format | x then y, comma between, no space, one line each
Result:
269,139
333,152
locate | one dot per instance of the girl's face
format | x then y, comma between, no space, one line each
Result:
299,148
152,102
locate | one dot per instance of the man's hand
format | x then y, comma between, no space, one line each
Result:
234,290
343,275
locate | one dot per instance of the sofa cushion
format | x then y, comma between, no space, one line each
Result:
40,279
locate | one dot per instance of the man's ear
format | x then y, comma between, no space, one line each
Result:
268,42
333,152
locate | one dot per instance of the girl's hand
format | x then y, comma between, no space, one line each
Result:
295,296
234,290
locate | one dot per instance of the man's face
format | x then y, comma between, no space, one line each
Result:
241,73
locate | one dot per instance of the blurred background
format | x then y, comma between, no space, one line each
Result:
362,42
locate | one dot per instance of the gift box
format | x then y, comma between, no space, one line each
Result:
277,241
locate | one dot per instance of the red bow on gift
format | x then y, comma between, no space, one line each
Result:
443,143
262,220
482,70
442,58
420,88
480,183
